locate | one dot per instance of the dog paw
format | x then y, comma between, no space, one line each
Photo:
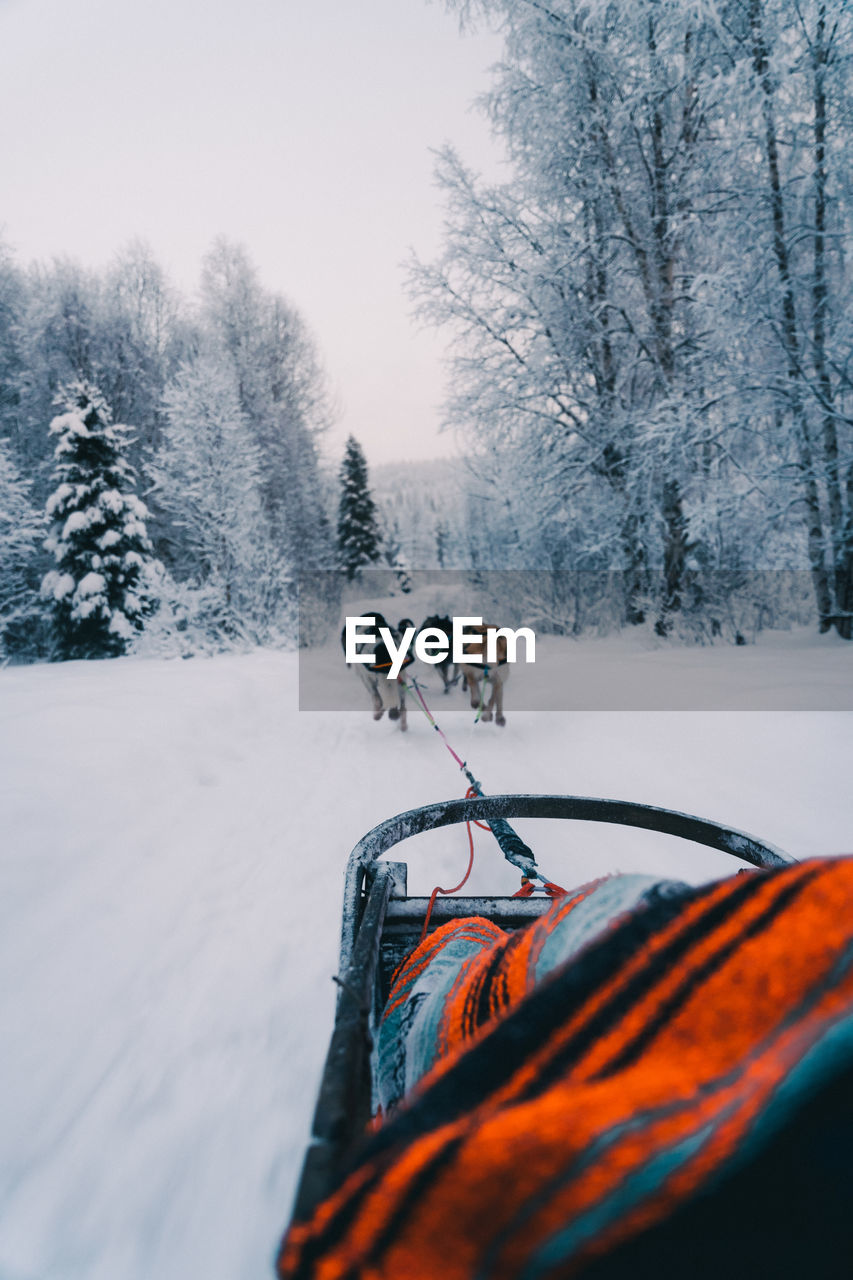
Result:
487,715
377,715
393,713
501,720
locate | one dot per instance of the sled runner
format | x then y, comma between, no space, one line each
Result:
382,925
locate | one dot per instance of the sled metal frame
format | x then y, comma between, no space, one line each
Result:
381,924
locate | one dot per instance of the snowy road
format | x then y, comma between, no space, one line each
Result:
174,840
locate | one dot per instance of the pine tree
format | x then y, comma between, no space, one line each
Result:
359,541
98,536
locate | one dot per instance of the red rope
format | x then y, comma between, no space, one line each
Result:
528,889
484,826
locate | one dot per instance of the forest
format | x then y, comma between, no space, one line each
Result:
649,323
196,513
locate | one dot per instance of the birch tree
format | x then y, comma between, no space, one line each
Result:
578,287
207,479
282,392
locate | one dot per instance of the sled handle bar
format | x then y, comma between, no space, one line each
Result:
624,813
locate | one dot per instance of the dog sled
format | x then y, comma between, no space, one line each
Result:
610,1083
382,924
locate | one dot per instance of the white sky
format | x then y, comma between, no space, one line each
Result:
300,129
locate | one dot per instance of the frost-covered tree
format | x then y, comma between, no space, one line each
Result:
56,342
797,117
395,556
359,540
123,331
97,592
652,313
421,507
20,527
12,301
578,287
282,392
141,337
128,332
208,478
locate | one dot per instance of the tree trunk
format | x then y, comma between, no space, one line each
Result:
675,556
839,530
844,573
788,326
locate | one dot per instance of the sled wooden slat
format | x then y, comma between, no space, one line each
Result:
510,912
343,1104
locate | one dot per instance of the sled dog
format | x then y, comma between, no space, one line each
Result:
385,695
478,674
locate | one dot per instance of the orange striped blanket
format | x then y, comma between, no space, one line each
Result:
674,1099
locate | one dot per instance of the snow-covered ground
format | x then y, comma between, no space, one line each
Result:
174,836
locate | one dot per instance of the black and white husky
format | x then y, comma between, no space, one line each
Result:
385,695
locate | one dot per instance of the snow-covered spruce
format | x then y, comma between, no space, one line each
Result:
359,539
97,591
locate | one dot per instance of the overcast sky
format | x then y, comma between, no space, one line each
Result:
301,129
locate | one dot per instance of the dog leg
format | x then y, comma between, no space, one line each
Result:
368,679
396,695
498,696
